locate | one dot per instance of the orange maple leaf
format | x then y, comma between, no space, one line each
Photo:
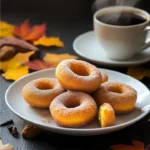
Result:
25,32
38,64
137,145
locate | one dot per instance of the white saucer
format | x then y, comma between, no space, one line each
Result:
87,46
43,119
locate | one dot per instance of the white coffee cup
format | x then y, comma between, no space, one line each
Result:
122,42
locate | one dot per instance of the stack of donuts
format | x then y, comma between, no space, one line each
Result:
79,93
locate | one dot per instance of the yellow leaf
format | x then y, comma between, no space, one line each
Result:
6,30
55,59
16,61
49,41
138,72
16,73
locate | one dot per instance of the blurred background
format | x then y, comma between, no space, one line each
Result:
60,9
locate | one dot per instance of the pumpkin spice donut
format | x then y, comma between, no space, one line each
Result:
104,76
40,92
106,115
78,75
120,96
73,109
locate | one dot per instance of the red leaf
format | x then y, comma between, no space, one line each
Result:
38,65
25,32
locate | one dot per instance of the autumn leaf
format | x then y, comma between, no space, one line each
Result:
138,72
137,145
16,61
55,59
38,65
16,73
49,41
6,29
25,32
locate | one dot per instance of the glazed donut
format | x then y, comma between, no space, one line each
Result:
121,97
106,115
73,109
40,92
78,75
104,76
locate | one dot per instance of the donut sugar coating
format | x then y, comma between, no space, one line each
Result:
106,115
40,92
104,76
78,75
73,109
121,96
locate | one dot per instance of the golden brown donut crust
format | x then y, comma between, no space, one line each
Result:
40,92
121,97
73,109
78,75
104,76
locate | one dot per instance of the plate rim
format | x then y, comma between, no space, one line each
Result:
118,63
114,128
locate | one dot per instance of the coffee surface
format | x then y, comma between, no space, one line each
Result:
122,19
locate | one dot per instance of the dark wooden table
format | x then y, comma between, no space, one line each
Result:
67,29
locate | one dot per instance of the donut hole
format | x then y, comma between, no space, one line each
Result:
44,86
72,104
116,90
80,69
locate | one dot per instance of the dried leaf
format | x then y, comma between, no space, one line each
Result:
16,61
6,29
20,45
38,65
137,145
55,59
25,32
49,41
16,73
5,147
139,72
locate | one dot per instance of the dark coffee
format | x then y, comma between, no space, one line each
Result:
122,19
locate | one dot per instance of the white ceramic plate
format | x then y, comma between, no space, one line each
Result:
87,46
43,119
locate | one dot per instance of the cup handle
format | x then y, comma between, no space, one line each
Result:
147,44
